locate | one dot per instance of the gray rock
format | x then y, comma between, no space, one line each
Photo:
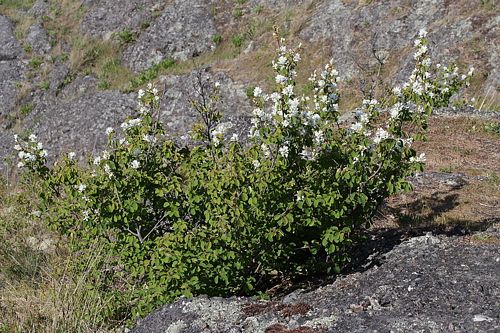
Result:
184,30
39,9
10,49
105,17
426,284
353,30
178,114
79,123
12,68
11,73
38,39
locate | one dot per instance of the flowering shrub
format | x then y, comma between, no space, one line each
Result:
223,215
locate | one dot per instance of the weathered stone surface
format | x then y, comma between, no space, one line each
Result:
354,31
184,30
11,67
38,39
426,284
78,124
10,49
178,114
105,17
39,8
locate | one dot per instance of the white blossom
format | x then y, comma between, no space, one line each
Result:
283,151
71,155
380,135
257,92
256,164
135,164
419,159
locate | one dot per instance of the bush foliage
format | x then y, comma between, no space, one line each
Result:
223,215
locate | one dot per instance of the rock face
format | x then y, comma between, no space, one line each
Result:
38,39
78,123
184,30
426,284
355,31
178,114
127,14
11,66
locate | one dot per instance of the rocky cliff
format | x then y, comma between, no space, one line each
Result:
69,68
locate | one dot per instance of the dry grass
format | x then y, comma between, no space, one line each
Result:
40,289
455,145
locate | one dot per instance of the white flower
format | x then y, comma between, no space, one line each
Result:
148,138
32,138
471,71
109,130
284,151
43,153
105,155
380,135
282,61
20,165
296,57
71,155
135,164
280,79
422,33
294,106
319,137
397,91
17,147
107,170
265,150
81,187
300,196
288,90
356,127
97,160
29,157
234,138
362,117
16,137
275,97
39,146
256,164
141,93
257,92
395,110
419,159
217,84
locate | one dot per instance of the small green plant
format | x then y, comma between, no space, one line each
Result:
27,48
126,36
151,73
249,91
26,109
238,12
217,39
258,9
493,128
45,85
237,40
35,63
221,215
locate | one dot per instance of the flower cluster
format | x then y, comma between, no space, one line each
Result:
31,153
